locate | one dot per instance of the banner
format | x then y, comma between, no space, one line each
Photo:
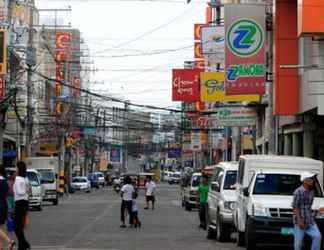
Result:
185,85
174,153
245,49
212,40
212,89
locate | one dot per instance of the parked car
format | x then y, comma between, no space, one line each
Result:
221,201
265,192
94,180
166,176
81,183
190,192
175,178
37,190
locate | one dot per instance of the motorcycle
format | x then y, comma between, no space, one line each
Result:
117,188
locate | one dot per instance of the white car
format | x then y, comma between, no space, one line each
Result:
81,183
101,178
221,201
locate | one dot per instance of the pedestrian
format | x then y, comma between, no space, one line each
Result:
150,192
135,209
66,187
4,238
11,202
22,189
303,217
127,192
203,198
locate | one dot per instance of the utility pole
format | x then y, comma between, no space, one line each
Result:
31,61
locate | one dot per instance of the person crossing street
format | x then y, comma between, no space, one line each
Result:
203,198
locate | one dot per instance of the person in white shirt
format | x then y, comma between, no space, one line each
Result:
135,209
150,192
21,191
127,192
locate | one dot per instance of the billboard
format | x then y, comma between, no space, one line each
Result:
212,40
195,141
115,155
245,49
212,89
185,85
3,52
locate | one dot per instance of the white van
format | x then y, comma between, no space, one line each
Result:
221,201
265,186
36,197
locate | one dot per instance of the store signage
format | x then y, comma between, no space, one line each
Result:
185,85
245,49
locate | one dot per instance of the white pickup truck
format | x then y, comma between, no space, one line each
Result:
265,187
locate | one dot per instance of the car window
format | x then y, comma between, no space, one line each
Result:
33,179
230,180
79,180
195,181
281,184
47,176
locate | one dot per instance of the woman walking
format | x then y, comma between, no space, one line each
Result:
21,190
4,211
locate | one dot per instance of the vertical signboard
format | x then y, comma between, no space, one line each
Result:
195,141
3,52
185,85
62,44
2,87
245,49
115,155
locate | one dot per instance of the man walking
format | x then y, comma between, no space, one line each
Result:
150,192
203,198
303,216
127,192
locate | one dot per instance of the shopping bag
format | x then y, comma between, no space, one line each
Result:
10,224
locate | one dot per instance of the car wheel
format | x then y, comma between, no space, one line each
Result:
55,202
188,206
223,233
211,232
249,237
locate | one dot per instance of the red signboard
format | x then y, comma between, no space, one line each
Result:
2,87
197,31
198,54
185,85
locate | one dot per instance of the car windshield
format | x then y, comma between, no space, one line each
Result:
281,184
33,179
196,180
100,174
230,180
176,175
47,176
79,180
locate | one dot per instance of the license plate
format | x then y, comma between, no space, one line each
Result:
287,231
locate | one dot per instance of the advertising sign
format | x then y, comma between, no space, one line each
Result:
212,89
185,85
245,49
212,40
197,31
195,141
115,155
174,153
237,117
3,52
198,54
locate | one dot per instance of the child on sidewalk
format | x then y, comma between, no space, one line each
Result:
137,222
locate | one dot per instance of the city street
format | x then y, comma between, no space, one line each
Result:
91,221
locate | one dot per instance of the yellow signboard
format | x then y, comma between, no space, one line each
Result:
3,52
213,89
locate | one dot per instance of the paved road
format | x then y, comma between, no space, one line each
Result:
91,221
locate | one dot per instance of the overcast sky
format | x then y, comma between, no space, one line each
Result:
115,29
